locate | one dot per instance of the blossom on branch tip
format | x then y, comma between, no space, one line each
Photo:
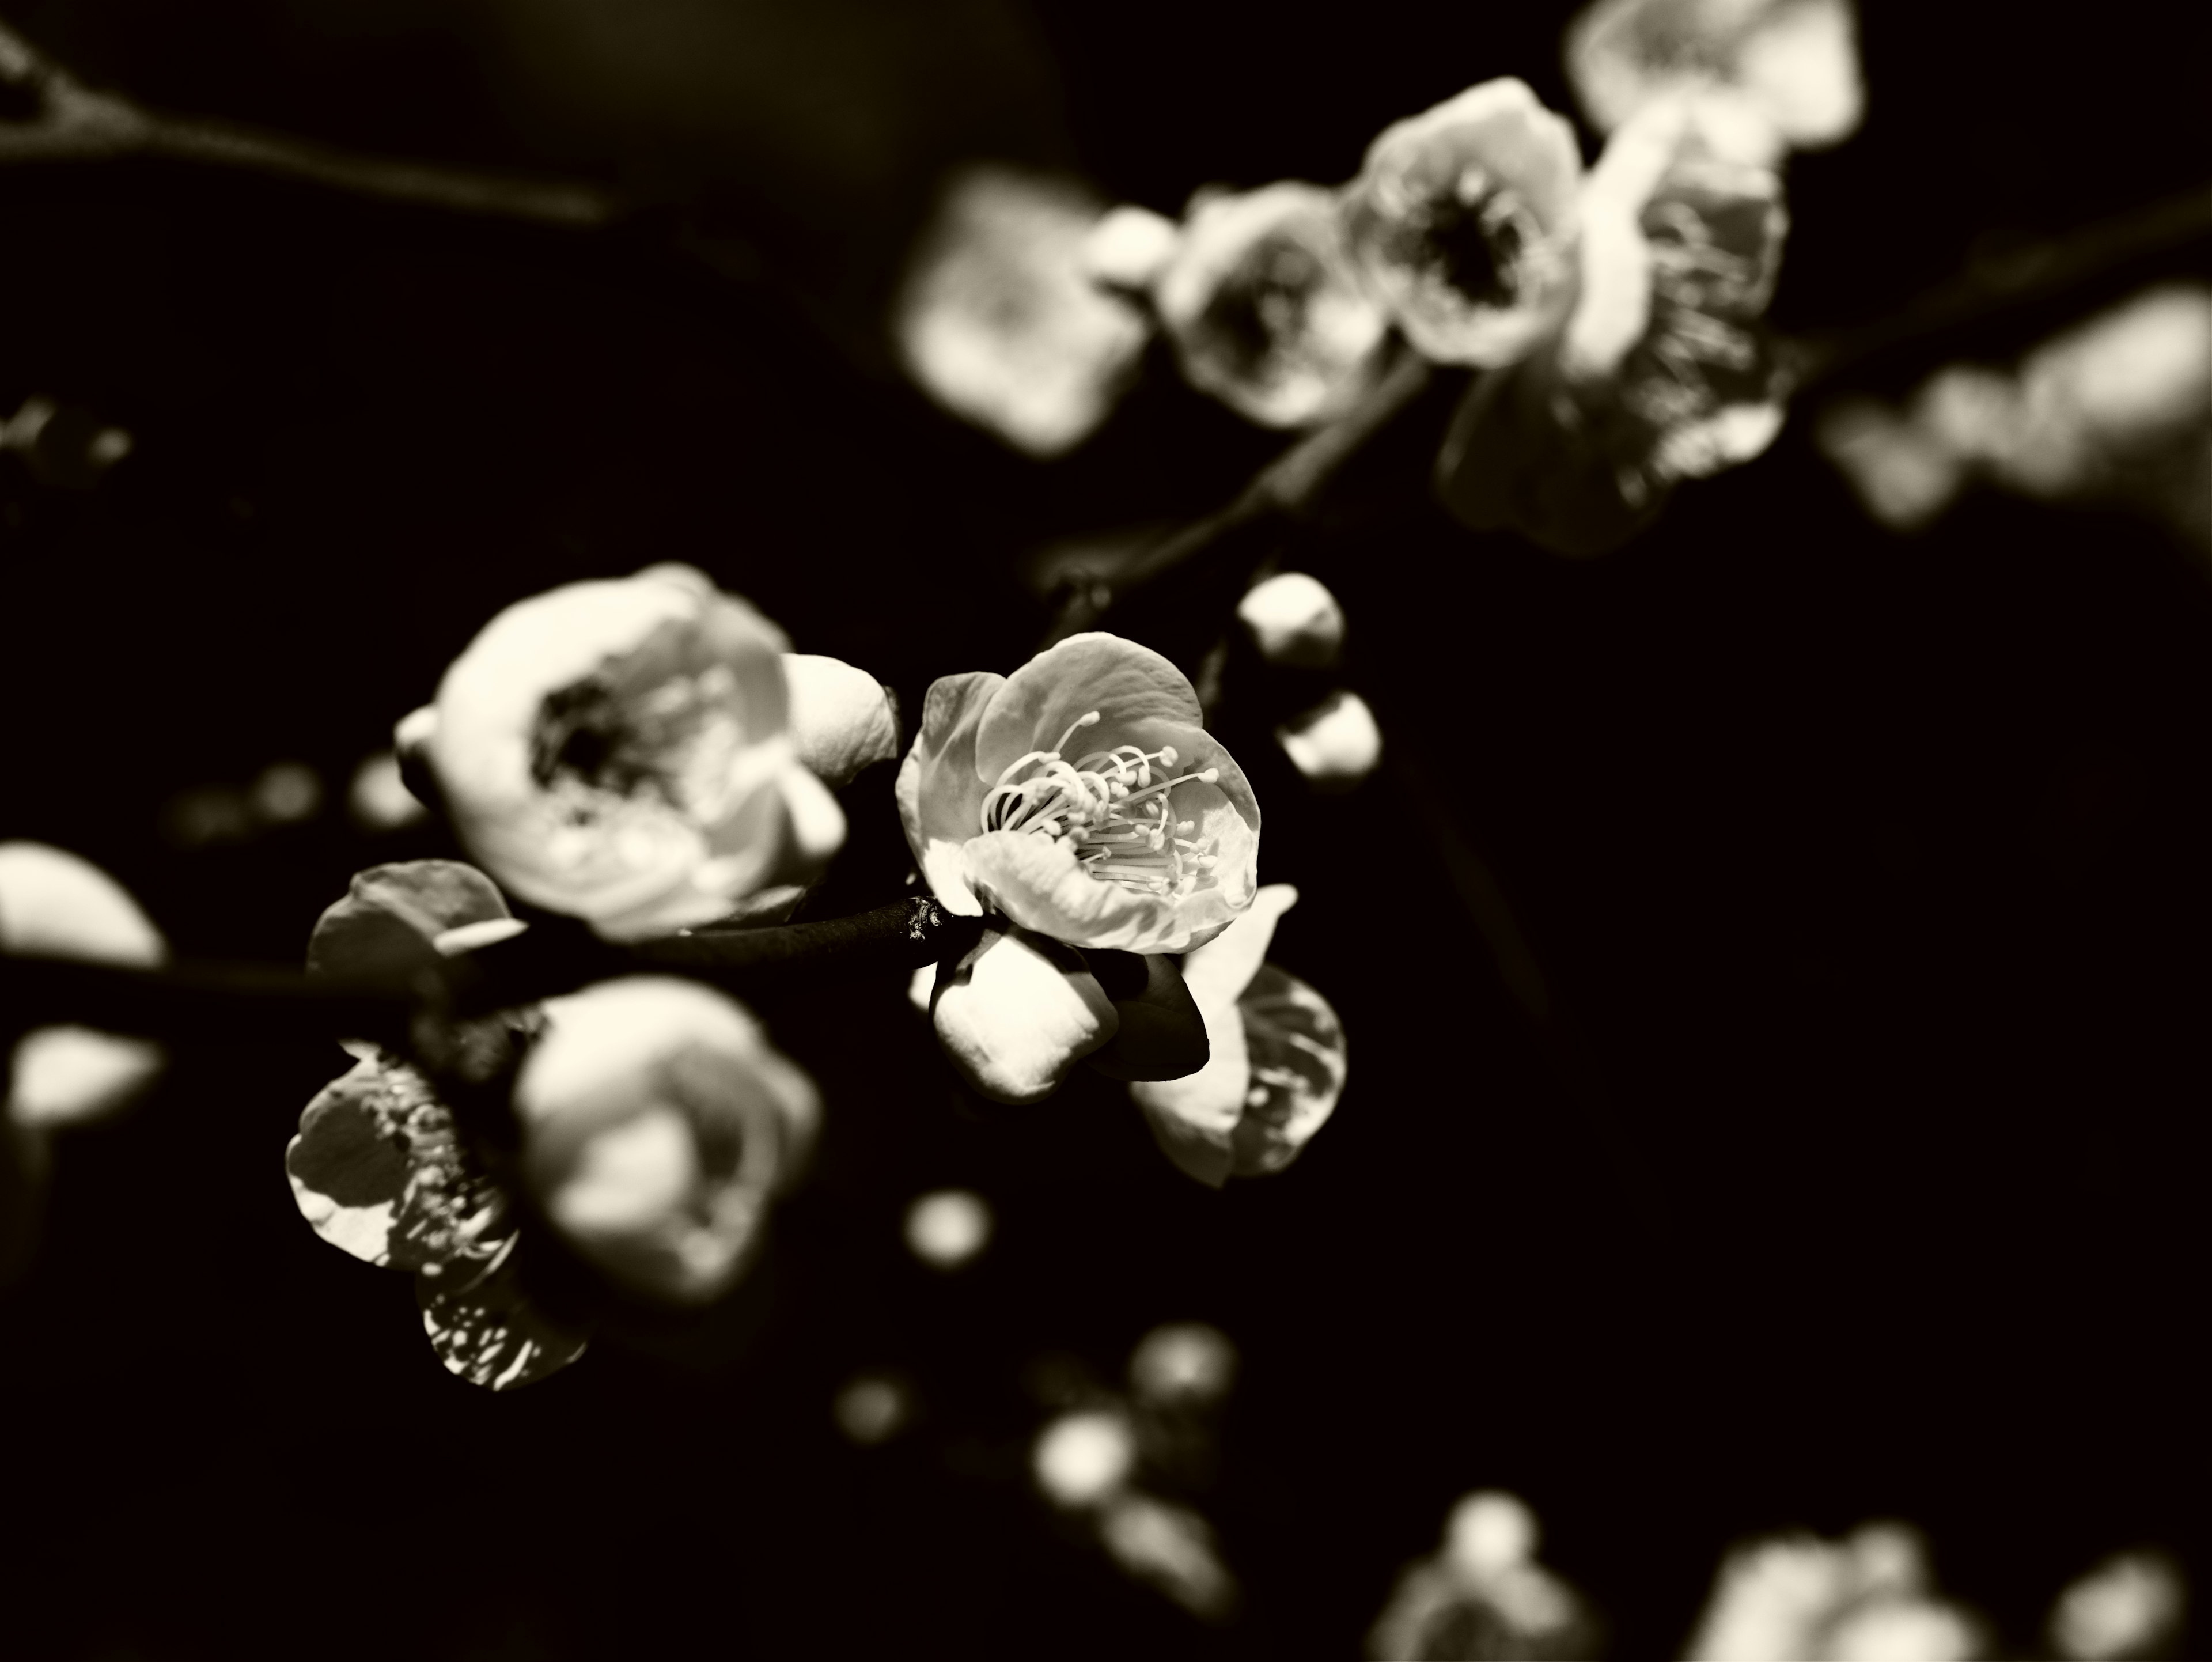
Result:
1143,836
382,1169
54,905
1294,621
1336,744
1784,73
1660,371
1265,309
658,1125
1276,1064
999,317
623,750
1461,223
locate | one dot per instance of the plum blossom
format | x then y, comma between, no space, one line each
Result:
382,1169
54,905
1276,1060
999,319
1265,309
1143,837
622,750
1785,72
1461,223
1866,1597
1660,372
658,1125
1017,1013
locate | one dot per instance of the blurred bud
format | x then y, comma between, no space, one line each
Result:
1787,69
53,904
1489,1532
2129,1607
1172,1549
377,797
1129,248
843,719
1183,1365
64,445
1336,744
873,1408
1462,223
1276,1063
1866,1599
997,319
1904,475
1082,1459
656,1126
1483,1594
621,752
946,1228
1294,621
1017,1013
1266,310
287,794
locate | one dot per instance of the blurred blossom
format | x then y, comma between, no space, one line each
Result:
947,1228
53,904
1129,248
656,1126
1462,223
1294,621
874,1408
205,814
1662,371
843,720
998,318
1483,1595
1081,1459
1146,838
1265,309
2118,409
378,799
1184,1364
1336,744
1276,1062
1864,1599
623,752
2130,1606
64,445
1785,72
1172,1549
287,793
380,1167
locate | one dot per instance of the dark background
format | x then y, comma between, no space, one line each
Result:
1856,1174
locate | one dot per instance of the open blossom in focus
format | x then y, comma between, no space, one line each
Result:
1082,798
1854,1600
1482,1593
621,752
53,904
1662,371
1265,309
658,1125
382,1169
1786,72
998,318
1276,1060
1461,223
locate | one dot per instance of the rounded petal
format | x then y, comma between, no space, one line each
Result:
1127,683
1018,1014
486,1330
66,1075
1038,882
1296,1045
392,915
843,719
939,789
1194,1118
1219,972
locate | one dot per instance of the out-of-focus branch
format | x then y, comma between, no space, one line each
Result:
48,115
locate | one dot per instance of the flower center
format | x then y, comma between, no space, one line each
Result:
1475,238
675,741
1112,809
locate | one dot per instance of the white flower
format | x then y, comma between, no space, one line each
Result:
53,904
1017,1014
1265,309
656,1126
621,751
1276,1058
998,318
1144,839
1462,223
1786,71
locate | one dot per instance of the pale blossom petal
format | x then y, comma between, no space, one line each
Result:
843,719
1018,1014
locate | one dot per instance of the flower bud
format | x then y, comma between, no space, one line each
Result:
1336,744
843,719
1294,621
656,1126
1129,248
53,904
1017,1013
